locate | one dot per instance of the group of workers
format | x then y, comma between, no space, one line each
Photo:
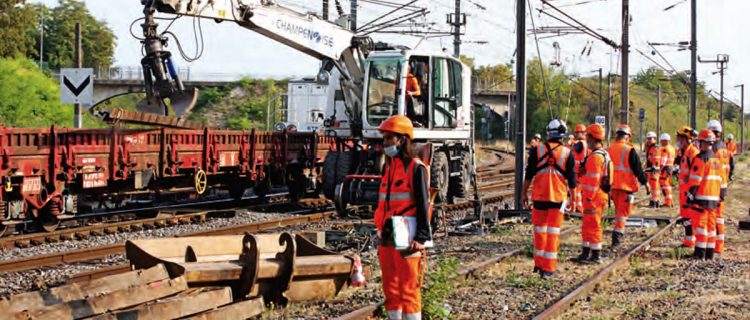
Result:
581,175
585,173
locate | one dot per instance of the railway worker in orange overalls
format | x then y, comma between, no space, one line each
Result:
627,173
704,195
403,191
551,168
595,177
732,147
653,163
580,151
722,152
667,168
688,151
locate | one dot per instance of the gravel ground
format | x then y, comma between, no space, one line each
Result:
213,223
664,284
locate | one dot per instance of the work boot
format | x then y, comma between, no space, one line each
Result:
546,274
699,254
616,238
710,254
583,256
537,270
595,257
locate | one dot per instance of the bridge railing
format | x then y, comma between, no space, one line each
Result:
490,86
131,73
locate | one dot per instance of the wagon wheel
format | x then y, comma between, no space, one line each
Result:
201,181
48,220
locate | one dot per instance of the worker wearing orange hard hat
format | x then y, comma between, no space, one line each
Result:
404,191
595,177
627,174
704,195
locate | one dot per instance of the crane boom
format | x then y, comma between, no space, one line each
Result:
318,38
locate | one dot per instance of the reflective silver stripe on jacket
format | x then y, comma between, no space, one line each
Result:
621,166
396,196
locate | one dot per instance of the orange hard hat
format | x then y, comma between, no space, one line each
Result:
580,128
624,128
398,124
706,135
596,131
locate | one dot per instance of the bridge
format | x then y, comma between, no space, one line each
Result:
109,82
115,81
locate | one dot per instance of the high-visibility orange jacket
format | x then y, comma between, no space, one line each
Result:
732,147
404,192
412,84
580,151
653,159
595,173
686,161
627,167
720,150
667,159
705,180
552,168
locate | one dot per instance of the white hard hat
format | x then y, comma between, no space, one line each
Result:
651,134
665,137
571,137
714,125
557,128
730,136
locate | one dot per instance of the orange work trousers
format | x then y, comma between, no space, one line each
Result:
685,216
720,228
653,185
401,283
547,225
704,225
592,224
623,208
666,189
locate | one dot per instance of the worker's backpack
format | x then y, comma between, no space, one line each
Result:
606,182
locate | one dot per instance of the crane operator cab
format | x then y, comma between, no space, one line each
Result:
432,90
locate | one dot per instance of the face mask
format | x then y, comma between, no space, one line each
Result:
391,151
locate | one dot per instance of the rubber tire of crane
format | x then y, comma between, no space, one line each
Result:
335,168
460,186
439,176
329,174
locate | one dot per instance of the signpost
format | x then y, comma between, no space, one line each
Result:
641,117
77,88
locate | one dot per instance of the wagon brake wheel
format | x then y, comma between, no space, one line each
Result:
201,181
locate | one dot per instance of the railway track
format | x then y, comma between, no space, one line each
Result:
24,264
559,306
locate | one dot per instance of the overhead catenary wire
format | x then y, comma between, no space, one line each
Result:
539,56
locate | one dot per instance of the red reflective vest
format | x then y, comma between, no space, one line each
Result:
550,184
597,167
396,193
581,155
653,159
732,147
623,179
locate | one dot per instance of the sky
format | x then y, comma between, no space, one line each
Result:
232,51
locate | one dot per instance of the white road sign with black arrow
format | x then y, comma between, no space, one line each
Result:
77,86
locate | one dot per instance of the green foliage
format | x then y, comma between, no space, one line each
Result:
439,285
243,105
15,18
29,98
528,281
98,40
